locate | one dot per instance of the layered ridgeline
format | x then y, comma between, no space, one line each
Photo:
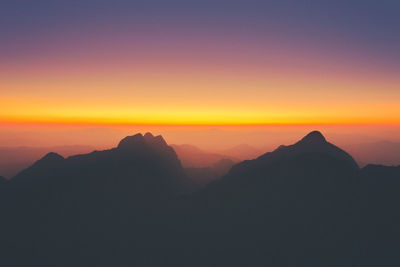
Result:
137,161
307,204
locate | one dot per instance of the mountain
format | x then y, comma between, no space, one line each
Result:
194,157
97,198
313,145
305,204
135,156
294,204
41,168
15,159
139,168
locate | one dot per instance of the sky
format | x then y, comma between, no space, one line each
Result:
87,63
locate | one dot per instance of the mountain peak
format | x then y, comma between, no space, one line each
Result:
139,139
52,156
148,136
159,140
314,137
131,141
49,159
313,143
154,140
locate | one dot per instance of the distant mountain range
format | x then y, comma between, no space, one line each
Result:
306,204
15,159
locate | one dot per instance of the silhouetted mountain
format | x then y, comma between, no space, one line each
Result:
313,144
97,198
41,168
293,204
135,156
194,157
306,204
15,159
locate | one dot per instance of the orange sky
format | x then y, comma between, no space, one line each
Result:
198,99
180,74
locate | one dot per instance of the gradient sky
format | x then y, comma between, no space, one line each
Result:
200,62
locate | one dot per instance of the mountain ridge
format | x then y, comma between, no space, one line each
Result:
313,143
305,204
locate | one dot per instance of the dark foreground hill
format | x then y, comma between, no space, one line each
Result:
307,204
59,208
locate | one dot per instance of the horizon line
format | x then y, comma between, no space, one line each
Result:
165,124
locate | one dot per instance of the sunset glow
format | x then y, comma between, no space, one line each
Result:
198,66
196,98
